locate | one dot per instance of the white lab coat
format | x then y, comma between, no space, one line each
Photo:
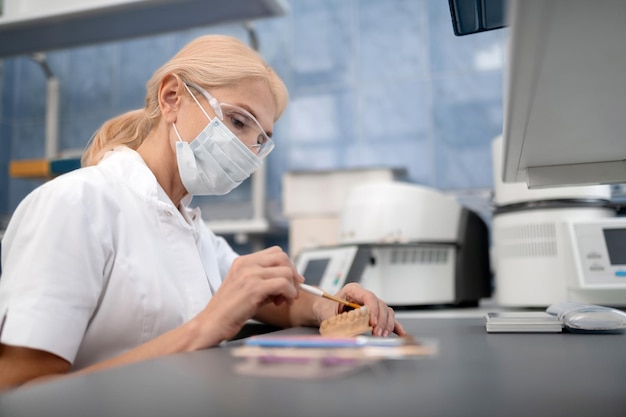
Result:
99,260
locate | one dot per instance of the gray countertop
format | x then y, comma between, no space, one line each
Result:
473,374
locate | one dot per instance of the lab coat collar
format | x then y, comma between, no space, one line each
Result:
186,200
130,168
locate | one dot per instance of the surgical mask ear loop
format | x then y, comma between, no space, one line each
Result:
180,139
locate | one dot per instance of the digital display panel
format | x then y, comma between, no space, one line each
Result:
616,244
314,270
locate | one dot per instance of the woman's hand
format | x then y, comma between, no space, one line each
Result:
254,280
382,317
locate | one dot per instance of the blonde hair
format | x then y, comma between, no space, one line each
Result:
209,61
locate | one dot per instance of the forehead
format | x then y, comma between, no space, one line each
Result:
254,96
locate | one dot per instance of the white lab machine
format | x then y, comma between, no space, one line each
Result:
556,245
411,245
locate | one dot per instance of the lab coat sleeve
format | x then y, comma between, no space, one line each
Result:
53,266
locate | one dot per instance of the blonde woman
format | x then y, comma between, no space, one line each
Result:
108,265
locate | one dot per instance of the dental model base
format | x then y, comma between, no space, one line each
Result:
347,324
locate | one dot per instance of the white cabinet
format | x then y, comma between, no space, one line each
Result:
28,26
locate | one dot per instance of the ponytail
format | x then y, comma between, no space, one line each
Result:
128,129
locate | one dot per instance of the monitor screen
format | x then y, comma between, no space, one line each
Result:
314,270
616,244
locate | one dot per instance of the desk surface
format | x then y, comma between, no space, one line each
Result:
473,374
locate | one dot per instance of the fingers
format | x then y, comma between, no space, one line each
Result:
269,283
383,320
271,257
274,290
382,317
265,276
253,281
399,329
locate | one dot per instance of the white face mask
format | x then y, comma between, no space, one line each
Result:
215,162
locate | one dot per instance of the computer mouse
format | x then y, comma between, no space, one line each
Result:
559,309
594,319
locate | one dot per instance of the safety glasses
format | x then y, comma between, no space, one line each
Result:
239,121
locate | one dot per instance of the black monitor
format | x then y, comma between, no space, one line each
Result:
474,16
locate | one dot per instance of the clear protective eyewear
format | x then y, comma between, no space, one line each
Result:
239,121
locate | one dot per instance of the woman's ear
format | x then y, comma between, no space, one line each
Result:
170,95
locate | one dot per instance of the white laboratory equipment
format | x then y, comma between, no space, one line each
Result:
413,246
555,245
